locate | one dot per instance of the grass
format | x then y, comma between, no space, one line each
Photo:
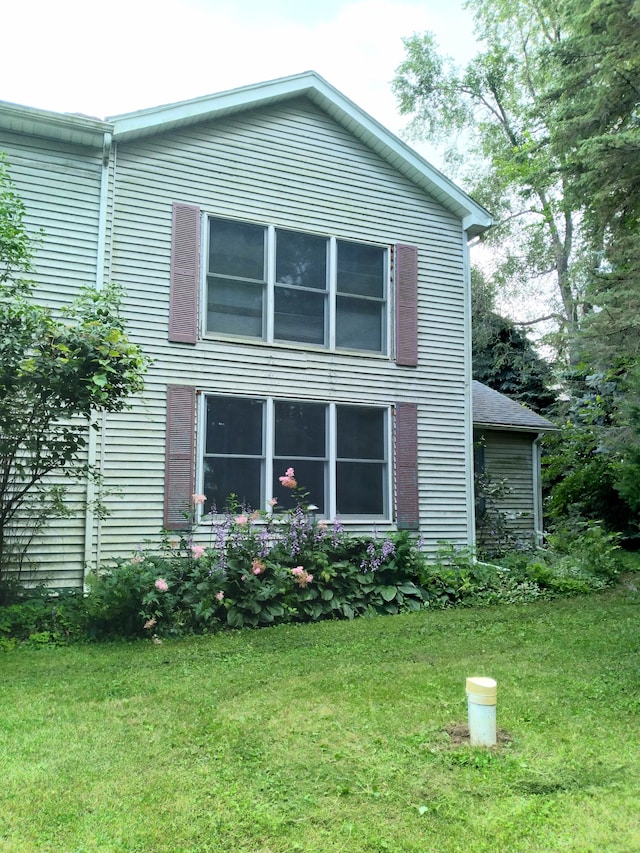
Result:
331,737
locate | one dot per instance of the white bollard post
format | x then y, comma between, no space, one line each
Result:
481,695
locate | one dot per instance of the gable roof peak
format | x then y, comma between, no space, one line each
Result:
345,112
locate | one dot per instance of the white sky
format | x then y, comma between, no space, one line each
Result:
122,55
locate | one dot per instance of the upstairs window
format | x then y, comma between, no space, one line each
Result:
280,285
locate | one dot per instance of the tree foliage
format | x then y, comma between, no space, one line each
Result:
54,371
496,105
595,103
503,356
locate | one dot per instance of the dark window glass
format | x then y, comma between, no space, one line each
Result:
234,426
299,316
359,324
236,249
311,478
224,476
301,260
361,433
361,270
360,488
235,307
300,430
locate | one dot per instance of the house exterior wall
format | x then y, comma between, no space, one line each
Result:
60,186
293,167
511,456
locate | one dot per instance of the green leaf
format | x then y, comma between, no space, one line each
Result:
388,592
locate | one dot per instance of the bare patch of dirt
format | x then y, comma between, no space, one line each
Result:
459,734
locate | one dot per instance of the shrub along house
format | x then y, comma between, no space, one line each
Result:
300,278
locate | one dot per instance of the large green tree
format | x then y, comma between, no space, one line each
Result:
595,134
54,372
497,107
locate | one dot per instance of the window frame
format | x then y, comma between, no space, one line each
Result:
332,295
331,462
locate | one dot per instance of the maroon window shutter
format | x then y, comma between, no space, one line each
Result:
185,274
180,455
408,513
406,277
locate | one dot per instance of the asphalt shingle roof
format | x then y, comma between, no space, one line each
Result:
491,408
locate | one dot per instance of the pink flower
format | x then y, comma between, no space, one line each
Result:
197,551
137,558
198,499
301,577
255,515
288,482
257,567
273,501
241,519
162,585
289,479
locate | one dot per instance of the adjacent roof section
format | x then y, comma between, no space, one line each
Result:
493,409
64,127
476,218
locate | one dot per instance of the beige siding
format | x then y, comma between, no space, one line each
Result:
292,167
509,456
59,184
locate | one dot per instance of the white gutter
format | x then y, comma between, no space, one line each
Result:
468,391
89,520
537,490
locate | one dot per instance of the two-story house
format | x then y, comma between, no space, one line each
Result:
300,278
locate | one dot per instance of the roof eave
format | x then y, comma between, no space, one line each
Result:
476,219
514,427
63,127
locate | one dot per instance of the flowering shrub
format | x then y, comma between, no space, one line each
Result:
258,568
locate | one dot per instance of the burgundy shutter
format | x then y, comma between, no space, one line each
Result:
408,514
185,274
180,455
406,277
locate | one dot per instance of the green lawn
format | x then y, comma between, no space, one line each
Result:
331,737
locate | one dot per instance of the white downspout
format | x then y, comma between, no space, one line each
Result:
537,490
89,521
468,388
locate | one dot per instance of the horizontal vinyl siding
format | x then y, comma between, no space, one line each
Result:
60,186
292,167
509,456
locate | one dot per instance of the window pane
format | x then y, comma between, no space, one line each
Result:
234,426
240,477
360,488
361,269
301,260
361,432
235,307
236,248
310,476
299,316
359,324
300,430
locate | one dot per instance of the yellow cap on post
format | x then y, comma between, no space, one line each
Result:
482,691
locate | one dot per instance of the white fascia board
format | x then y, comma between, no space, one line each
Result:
475,218
65,127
